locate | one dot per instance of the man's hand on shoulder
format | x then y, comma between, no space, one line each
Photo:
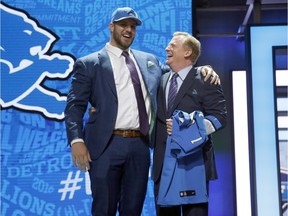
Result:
208,73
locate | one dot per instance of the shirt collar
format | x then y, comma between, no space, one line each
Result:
182,73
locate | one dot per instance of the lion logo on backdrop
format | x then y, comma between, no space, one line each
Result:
27,63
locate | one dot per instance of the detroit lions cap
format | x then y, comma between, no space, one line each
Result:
125,13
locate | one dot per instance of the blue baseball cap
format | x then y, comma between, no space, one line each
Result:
125,13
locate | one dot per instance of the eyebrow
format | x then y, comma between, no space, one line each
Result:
172,44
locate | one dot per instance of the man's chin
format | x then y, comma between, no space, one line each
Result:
127,42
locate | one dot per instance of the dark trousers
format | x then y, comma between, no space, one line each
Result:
200,209
119,177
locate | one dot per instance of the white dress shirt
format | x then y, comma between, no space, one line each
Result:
127,116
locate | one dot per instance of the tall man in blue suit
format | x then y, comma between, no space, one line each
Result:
114,144
192,94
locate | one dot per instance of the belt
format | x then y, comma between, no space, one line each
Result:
127,133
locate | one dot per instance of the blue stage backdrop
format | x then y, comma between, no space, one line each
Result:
40,41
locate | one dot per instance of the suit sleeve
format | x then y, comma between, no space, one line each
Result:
164,68
214,104
77,101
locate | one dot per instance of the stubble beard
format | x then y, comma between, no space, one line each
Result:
122,45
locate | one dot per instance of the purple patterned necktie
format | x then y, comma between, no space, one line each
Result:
143,117
172,92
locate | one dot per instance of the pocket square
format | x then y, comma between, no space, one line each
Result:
150,63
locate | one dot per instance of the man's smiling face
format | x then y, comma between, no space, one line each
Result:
123,33
175,53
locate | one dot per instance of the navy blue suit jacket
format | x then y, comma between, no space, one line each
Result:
93,83
194,94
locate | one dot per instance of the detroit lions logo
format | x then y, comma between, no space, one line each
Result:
27,63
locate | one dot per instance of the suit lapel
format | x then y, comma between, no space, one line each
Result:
164,82
141,62
106,68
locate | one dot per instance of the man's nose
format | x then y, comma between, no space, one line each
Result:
129,28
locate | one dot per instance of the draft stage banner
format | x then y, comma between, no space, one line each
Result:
40,40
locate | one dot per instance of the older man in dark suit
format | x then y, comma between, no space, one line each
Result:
189,93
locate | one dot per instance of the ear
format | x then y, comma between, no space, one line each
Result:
111,27
188,53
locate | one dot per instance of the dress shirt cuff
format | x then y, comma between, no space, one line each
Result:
76,140
209,127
